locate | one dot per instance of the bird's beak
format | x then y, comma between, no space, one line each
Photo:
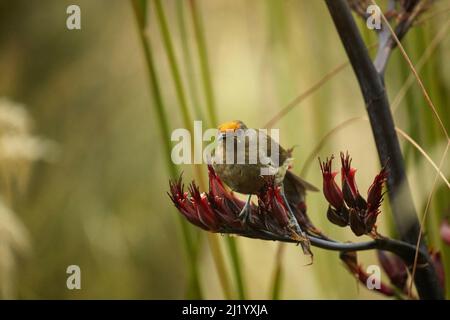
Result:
221,136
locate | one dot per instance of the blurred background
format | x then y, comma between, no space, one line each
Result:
83,166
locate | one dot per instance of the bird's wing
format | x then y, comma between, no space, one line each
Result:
285,154
308,186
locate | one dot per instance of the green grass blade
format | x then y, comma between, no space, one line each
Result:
232,246
194,282
192,83
176,76
236,266
277,281
204,63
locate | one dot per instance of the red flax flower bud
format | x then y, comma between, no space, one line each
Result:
357,223
225,204
439,267
347,206
339,218
374,199
190,206
394,267
205,213
331,190
349,187
348,175
351,262
274,204
445,231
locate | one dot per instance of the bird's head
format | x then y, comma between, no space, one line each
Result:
231,127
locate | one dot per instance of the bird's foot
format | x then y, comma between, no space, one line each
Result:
304,242
298,235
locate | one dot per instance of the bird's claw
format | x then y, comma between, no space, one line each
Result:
244,214
245,211
300,237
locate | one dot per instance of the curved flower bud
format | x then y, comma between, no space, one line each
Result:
349,187
225,204
357,223
439,267
331,190
375,194
273,203
394,267
204,211
184,204
339,218
351,262
348,174
374,199
445,231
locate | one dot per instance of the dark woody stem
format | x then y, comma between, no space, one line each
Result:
404,250
373,90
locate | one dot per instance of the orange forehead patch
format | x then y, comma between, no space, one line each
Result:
232,125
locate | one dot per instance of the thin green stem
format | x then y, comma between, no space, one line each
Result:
158,105
232,246
236,266
204,63
176,76
187,56
278,273
220,265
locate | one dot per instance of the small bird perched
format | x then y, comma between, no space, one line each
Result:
246,178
